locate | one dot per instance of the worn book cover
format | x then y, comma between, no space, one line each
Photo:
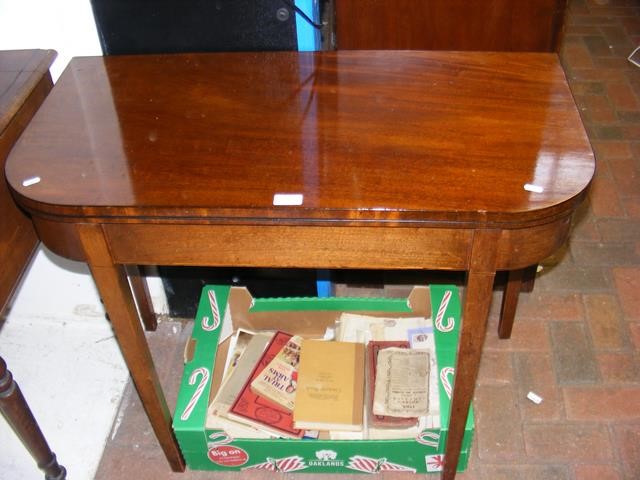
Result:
402,383
373,347
237,345
330,392
234,382
258,411
278,380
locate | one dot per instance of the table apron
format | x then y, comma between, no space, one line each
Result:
288,246
305,246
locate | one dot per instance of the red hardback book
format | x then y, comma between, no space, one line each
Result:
258,411
373,347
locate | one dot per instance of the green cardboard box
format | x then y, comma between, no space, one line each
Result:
227,308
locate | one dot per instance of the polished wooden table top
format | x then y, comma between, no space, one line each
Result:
363,136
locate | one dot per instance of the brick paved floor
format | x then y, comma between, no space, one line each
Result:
576,341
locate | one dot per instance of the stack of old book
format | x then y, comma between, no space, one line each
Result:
369,378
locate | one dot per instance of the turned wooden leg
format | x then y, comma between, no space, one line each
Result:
477,301
113,287
16,412
142,296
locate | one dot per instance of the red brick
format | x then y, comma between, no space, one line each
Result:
577,56
499,436
598,74
626,175
568,442
597,45
630,131
610,62
627,280
579,19
587,88
586,229
618,367
574,358
634,330
605,321
596,472
495,368
627,442
602,403
520,472
617,38
604,198
568,276
622,96
631,117
577,8
631,24
527,335
579,30
604,254
618,229
534,373
606,131
551,306
596,107
605,7
614,149
632,206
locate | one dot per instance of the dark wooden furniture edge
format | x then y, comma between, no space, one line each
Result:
16,412
40,70
13,405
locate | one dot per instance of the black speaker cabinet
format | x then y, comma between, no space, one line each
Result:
172,26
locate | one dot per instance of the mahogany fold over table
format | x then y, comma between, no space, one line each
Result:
389,160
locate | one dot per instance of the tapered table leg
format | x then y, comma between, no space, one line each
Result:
478,294
113,287
529,278
142,296
16,412
521,280
510,296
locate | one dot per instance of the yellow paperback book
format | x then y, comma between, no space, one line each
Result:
331,386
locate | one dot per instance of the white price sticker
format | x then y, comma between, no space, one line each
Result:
287,199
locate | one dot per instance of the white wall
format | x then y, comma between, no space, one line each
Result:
66,26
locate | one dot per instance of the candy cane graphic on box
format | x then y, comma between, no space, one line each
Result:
430,439
286,464
186,413
219,438
444,378
375,465
444,303
215,313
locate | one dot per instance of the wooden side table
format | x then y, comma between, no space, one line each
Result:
24,83
387,160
